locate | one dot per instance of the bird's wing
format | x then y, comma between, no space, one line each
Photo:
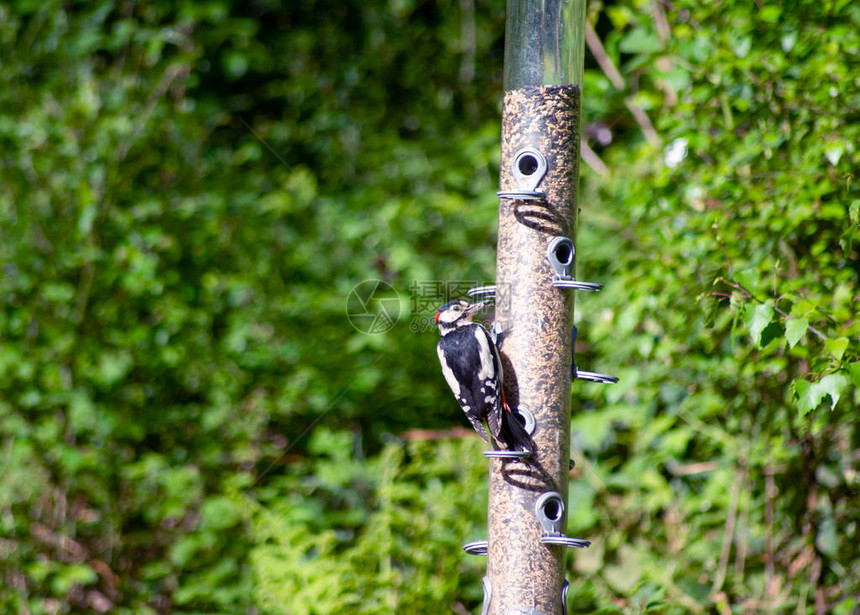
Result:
448,371
456,372
489,381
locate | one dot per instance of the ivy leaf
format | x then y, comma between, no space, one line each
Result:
795,328
836,347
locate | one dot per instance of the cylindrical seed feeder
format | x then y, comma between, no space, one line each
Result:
544,49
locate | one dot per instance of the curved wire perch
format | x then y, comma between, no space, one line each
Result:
549,509
507,454
561,254
595,377
565,541
521,195
477,547
560,282
582,374
482,547
482,292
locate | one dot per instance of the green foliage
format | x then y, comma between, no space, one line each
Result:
188,192
728,449
388,539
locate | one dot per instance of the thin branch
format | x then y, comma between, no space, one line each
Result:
455,433
599,53
264,142
644,123
171,73
593,160
742,542
722,243
770,577
694,468
809,327
729,531
664,63
614,76
660,22
749,295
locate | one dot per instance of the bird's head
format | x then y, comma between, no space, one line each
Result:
456,314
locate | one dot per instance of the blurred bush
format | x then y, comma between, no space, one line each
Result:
188,193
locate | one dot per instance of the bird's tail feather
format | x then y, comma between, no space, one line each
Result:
512,435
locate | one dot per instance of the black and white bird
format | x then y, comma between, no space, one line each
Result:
471,365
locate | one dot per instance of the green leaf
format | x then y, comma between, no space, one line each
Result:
748,278
741,45
836,346
760,318
854,371
640,40
808,397
219,513
626,574
827,540
770,14
75,574
711,308
854,211
832,385
833,152
773,331
795,329
709,271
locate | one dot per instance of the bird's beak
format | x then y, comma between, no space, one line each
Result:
475,307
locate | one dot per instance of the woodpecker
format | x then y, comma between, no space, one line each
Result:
471,365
